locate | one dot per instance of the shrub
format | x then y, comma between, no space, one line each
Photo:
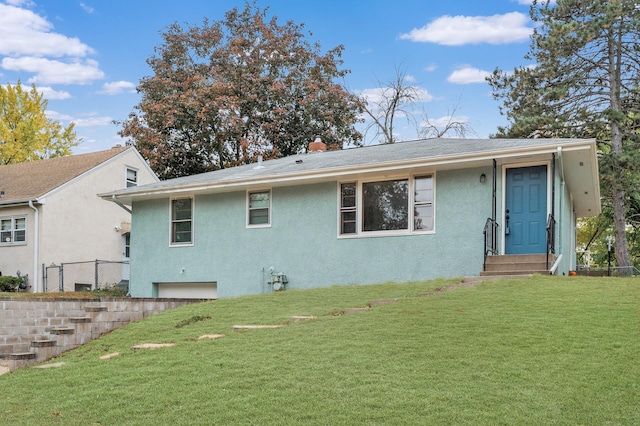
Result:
9,283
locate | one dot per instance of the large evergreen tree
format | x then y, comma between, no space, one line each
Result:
582,83
226,91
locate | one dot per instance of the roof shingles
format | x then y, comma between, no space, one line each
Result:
31,180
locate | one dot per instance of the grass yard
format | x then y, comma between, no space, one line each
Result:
538,351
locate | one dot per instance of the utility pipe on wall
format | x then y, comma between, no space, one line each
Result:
36,245
562,189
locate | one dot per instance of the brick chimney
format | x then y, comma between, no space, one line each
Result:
317,146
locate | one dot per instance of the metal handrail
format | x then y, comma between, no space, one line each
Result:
490,240
551,237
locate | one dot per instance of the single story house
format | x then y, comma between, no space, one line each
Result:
50,212
387,213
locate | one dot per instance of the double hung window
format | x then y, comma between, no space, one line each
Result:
13,230
132,177
181,221
259,208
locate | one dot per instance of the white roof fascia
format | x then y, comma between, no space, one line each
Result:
303,177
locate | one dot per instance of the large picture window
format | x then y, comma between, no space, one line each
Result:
182,221
385,205
402,206
13,230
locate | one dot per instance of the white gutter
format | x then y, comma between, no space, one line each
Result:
301,177
115,200
36,240
553,268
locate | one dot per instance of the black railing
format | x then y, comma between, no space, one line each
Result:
490,239
551,237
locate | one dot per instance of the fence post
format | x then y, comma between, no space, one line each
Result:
61,278
95,281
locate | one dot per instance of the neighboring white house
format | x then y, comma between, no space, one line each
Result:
50,213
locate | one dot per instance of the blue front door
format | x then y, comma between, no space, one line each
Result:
526,210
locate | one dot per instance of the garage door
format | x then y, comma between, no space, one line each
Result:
200,290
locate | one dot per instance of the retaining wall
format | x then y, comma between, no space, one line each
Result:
34,330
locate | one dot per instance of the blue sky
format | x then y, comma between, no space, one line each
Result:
88,56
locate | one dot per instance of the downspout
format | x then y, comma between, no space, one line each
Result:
562,189
115,200
36,245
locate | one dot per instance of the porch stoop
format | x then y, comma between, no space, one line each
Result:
517,264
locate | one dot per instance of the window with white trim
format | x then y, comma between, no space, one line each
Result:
259,208
132,177
348,208
423,203
401,206
181,221
13,230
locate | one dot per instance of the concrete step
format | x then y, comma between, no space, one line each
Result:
62,330
517,264
518,258
95,308
513,273
520,266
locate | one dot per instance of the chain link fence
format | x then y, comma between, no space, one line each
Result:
85,276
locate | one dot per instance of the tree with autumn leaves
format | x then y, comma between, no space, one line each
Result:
26,133
584,82
225,92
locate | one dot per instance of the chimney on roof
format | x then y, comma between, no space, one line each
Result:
317,146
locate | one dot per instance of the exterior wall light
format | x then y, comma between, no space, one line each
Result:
483,178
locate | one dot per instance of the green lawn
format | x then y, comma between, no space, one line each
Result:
539,351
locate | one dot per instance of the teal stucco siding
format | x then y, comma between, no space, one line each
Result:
303,241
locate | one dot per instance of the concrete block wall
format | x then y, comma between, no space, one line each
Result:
34,330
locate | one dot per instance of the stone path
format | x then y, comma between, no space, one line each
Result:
465,282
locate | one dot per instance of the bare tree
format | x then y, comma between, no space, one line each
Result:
392,99
397,98
448,124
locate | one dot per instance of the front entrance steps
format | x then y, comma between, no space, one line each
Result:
517,264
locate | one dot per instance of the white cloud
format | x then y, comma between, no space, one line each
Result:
92,119
375,95
50,93
409,78
55,115
49,71
47,92
22,32
443,121
431,68
20,2
467,75
117,87
87,8
459,30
